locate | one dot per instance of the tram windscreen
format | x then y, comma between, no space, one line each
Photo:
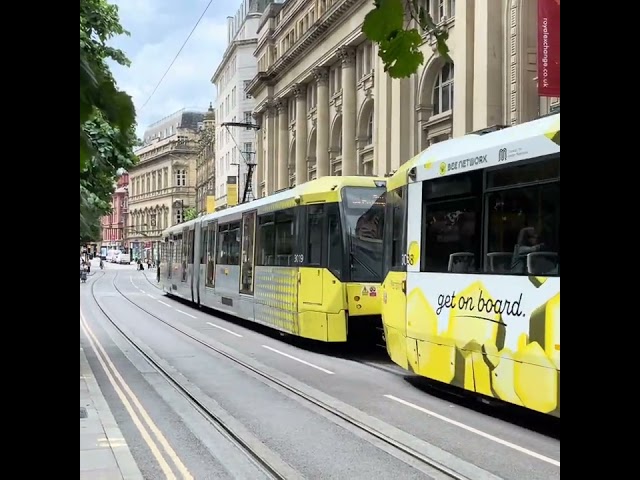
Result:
364,218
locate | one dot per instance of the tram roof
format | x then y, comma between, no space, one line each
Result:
322,190
528,140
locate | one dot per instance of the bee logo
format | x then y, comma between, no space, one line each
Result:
443,168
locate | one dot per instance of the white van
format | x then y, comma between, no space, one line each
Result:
123,259
112,255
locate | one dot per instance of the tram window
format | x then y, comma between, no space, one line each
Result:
233,239
177,251
203,246
315,215
229,244
211,255
538,171
185,245
285,236
451,242
266,240
448,187
451,224
335,247
524,231
190,246
397,206
248,236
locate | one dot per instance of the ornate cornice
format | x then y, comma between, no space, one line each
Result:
336,15
233,46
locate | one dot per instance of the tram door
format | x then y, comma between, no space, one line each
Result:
169,258
186,245
212,242
247,252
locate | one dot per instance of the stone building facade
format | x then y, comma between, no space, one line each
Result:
326,106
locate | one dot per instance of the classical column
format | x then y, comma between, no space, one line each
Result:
322,124
259,172
300,92
349,114
271,149
487,73
463,98
283,144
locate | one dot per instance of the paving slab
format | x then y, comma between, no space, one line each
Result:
104,453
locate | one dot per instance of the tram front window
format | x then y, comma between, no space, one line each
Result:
364,218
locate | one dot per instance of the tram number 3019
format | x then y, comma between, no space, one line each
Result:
298,258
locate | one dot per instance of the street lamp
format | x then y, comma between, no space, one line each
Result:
246,155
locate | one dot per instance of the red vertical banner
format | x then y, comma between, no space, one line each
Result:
549,48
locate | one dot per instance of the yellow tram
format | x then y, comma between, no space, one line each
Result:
306,261
471,295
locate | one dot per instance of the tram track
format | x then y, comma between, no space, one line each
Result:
430,466
276,472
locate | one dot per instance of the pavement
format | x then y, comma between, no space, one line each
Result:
104,453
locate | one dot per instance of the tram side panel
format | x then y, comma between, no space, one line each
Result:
226,289
322,305
276,298
498,336
394,307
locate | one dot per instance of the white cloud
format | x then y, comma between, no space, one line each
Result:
158,28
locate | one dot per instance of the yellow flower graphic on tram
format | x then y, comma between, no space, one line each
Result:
470,350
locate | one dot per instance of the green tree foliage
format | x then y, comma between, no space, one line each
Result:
190,213
114,152
390,25
107,115
89,218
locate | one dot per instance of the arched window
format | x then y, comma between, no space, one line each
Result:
443,90
370,129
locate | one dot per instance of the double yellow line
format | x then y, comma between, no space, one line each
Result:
144,425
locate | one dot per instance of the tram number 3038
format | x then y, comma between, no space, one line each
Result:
408,259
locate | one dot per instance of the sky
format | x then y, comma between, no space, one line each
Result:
157,30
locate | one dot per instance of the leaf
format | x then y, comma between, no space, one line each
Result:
399,47
99,95
401,54
442,46
386,18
